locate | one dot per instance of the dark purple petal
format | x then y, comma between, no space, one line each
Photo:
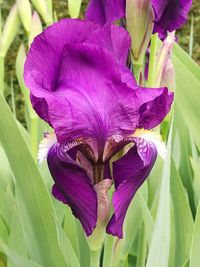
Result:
170,15
103,11
73,187
129,173
154,105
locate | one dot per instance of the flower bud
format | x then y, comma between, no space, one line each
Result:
10,30
95,241
36,27
163,56
139,17
20,60
43,10
74,8
50,5
168,75
24,9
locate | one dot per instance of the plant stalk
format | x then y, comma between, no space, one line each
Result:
109,251
137,67
95,258
34,136
2,61
152,60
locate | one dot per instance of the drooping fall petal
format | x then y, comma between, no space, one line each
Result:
129,174
73,187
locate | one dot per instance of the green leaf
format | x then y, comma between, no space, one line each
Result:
6,204
142,248
16,259
131,226
21,57
160,243
196,181
3,230
74,8
147,218
70,229
16,241
187,91
183,221
83,246
108,254
184,167
187,60
5,171
36,210
67,247
194,261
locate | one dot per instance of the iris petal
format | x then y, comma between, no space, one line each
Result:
170,15
82,90
129,173
103,11
154,104
113,38
91,98
73,187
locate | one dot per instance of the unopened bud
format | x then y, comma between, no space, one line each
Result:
36,27
96,240
25,13
163,56
11,28
74,8
50,5
43,10
168,75
21,57
139,17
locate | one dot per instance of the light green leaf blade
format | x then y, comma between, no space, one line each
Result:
194,261
142,248
187,90
74,8
182,219
20,60
160,244
70,229
16,259
196,181
36,208
16,241
70,255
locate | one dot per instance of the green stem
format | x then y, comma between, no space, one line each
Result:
109,251
34,136
2,61
152,60
95,258
137,66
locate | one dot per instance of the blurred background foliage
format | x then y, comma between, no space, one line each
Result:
61,9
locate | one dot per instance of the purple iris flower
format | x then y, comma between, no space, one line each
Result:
80,85
169,15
